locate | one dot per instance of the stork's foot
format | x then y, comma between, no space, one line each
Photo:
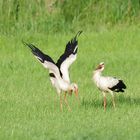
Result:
66,102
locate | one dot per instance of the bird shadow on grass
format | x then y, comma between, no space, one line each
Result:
119,100
92,103
128,100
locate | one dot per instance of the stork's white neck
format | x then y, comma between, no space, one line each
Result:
96,75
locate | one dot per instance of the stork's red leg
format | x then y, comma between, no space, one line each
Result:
104,103
66,102
104,94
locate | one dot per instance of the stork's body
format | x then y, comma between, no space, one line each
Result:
58,72
107,84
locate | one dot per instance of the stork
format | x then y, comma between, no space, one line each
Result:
107,84
58,72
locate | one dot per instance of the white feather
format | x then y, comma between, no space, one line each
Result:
65,67
55,84
104,83
52,67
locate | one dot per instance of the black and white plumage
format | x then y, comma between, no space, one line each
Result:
58,72
68,57
64,62
107,84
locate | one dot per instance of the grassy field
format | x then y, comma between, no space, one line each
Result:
49,16
29,106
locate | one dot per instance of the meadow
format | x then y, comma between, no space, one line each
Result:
29,106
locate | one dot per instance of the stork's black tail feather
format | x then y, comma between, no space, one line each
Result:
119,87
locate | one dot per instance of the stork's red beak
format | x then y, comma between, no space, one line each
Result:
100,66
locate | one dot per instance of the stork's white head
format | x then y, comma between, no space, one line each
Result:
100,67
73,88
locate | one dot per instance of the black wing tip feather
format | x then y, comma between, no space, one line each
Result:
78,33
35,51
70,49
76,36
119,87
31,46
74,39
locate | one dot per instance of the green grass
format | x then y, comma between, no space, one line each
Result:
49,16
29,106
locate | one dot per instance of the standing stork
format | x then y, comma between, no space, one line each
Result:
58,72
107,84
